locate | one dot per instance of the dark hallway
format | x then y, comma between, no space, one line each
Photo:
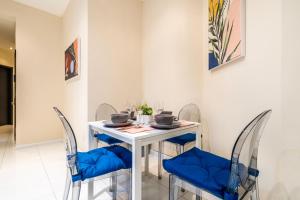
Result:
6,95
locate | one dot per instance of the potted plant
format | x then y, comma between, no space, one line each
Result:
144,114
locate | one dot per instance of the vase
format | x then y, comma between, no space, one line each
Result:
144,119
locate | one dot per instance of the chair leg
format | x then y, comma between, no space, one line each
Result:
198,197
178,149
111,184
254,193
160,152
67,186
173,189
181,150
114,187
76,187
130,185
198,194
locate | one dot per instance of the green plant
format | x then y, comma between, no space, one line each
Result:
146,110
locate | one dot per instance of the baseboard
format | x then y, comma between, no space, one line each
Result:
21,146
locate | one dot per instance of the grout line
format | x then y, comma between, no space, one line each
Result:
22,146
44,167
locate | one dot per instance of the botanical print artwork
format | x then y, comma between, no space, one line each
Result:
72,60
226,32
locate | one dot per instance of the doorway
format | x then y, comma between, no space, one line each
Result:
6,95
8,75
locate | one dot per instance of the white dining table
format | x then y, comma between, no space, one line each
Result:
137,140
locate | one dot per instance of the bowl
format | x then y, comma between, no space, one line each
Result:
166,112
119,118
130,114
164,119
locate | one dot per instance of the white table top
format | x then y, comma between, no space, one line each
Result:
127,137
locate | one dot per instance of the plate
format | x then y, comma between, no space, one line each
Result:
163,126
110,124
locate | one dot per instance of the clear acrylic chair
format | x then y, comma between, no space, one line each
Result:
104,112
189,112
199,171
96,164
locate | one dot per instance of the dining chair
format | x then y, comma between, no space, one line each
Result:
104,112
92,165
189,112
234,179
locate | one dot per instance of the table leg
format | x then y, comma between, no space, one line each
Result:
146,155
160,152
136,171
92,139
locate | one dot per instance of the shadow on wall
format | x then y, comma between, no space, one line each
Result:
295,193
288,186
279,192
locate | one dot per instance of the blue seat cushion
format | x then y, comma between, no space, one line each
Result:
183,139
107,139
101,161
202,169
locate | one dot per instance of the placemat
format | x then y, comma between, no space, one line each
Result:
135,129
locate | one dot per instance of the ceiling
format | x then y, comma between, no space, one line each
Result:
55,7
7,33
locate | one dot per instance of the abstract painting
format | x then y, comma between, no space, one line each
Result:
226,31
72,60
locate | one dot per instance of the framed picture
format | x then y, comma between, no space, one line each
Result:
72,63
226,31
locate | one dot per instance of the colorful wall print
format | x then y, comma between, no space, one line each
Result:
226,31
72,60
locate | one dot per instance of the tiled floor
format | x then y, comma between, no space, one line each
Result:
38,173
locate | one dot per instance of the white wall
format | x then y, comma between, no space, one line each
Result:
234,94
75,24
289,162
115,68
39,81
172,49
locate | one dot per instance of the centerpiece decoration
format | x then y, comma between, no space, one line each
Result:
144,114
